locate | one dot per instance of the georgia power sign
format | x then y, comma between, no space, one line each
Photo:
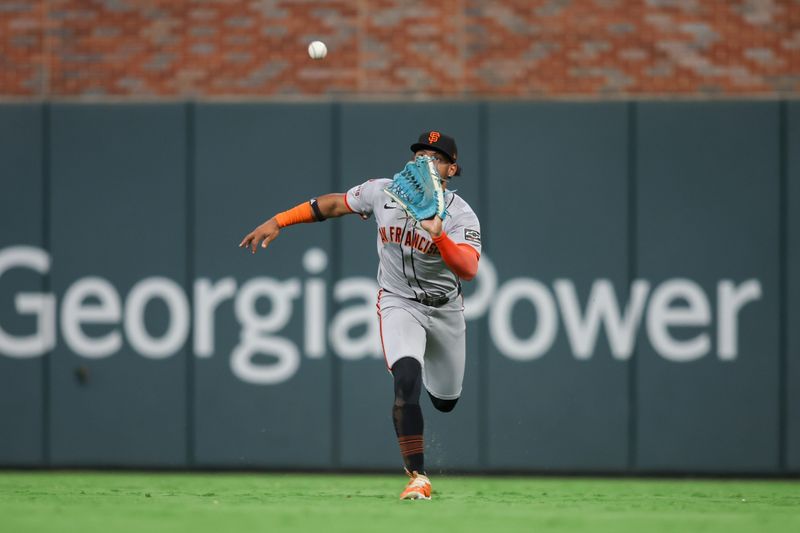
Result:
93,300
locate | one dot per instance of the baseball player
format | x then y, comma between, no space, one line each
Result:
420,307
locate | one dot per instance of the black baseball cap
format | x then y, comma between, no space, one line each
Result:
435,140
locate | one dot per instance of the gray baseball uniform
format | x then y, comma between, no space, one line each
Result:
420,309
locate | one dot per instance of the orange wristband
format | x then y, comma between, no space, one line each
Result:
296,215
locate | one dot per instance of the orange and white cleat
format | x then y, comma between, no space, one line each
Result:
419,488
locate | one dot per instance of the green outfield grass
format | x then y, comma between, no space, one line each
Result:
126,502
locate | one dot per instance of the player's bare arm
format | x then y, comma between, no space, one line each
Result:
433,226
316,210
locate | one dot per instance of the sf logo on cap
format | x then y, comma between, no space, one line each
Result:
433,136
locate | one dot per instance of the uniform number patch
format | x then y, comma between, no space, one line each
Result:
472,235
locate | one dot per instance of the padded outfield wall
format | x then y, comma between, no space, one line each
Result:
636,308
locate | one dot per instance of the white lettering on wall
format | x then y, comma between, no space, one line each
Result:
540,341
75,312
257,336
477,304
362,314
41,305
730,300
315,261
679,324
602,306
663,314
177,324
207,297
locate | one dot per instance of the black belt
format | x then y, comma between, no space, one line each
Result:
432,301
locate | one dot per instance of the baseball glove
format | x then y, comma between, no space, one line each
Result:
418,189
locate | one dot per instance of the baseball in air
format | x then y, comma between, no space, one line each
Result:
317,50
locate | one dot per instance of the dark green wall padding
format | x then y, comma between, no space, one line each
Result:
655,191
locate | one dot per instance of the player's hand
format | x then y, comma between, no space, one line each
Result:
432,226
264,234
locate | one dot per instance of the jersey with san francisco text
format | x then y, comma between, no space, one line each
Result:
410,264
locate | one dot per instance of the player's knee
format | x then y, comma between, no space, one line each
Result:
444,406
407,374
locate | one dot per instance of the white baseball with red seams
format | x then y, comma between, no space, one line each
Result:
411,270
317,50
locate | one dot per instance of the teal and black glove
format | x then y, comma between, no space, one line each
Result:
418,189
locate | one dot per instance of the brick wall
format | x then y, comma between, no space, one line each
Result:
448,48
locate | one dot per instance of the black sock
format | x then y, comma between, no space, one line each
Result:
407,414
408,426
